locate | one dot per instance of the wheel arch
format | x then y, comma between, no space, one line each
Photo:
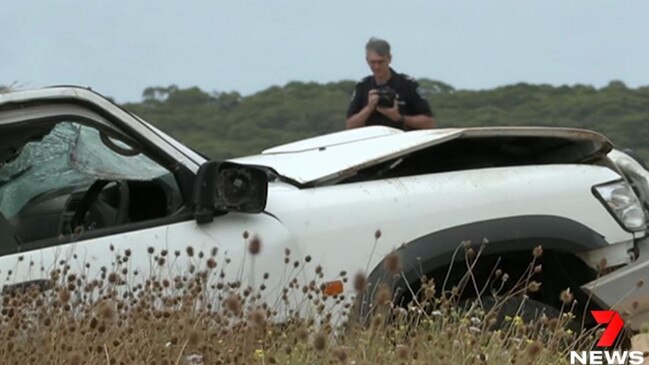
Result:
440,250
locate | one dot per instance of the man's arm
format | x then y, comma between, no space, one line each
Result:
359,119
421,121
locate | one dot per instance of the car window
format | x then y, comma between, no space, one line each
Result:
91,156
70,155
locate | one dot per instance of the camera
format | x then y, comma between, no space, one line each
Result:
386,97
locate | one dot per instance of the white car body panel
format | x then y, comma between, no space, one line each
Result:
332,139
196,158
338,234
224,234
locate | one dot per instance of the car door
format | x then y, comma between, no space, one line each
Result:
56,156
52,156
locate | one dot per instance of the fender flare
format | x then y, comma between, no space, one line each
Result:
521,233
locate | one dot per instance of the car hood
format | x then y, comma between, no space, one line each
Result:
334,156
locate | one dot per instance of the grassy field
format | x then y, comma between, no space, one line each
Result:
200,318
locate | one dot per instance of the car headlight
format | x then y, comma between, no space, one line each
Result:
620,199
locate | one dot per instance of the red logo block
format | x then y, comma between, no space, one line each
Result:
614,326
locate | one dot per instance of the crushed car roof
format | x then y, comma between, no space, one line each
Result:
337,155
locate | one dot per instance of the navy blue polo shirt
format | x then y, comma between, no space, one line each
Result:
410,102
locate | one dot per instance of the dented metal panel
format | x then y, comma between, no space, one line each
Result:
339,160
334,139
339,155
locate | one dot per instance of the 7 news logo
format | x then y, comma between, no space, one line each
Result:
614,325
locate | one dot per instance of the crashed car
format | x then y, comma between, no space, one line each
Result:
82,178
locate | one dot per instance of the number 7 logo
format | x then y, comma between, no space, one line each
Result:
615,325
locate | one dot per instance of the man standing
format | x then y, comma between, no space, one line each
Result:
370,104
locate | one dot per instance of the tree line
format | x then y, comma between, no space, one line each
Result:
227,124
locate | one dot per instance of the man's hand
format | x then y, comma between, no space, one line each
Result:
372,99
359,119
392,113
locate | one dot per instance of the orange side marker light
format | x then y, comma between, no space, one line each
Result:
333,288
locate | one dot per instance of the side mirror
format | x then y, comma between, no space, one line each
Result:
227,186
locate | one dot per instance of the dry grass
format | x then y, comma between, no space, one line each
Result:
201,318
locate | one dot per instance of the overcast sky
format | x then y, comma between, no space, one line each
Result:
119,49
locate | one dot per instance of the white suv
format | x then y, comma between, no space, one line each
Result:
82,179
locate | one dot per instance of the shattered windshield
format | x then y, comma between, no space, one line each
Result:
70,155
